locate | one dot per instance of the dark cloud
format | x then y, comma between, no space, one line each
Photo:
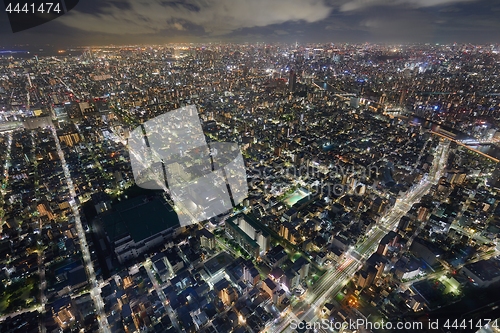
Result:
217,17
350,5
160,21
96,7
123,5
181,4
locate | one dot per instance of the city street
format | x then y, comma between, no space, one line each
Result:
148,266
362,179
95,291
332,282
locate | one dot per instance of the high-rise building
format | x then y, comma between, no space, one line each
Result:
207,239
70,139
250,273
292,81
382,98
248,234
404,223
354,102
269,286
229,295
423,213
366,277
387,242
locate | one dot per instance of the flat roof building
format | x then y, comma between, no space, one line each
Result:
484,272
134,226
248,234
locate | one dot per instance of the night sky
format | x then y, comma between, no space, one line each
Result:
121,22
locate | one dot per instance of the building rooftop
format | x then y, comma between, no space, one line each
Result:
140,218
486,270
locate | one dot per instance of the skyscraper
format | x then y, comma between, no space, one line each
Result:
292,81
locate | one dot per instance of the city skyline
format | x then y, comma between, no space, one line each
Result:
356,21
251,187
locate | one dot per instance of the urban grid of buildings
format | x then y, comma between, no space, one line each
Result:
373,189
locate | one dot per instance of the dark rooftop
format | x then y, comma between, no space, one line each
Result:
140,218
486,270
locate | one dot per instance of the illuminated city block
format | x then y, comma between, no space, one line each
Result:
169,152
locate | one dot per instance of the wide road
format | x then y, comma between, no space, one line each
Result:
95,290
332,282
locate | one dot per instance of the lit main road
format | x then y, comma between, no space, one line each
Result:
43,285
334,280
95,290
6,164
331,283
68,88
